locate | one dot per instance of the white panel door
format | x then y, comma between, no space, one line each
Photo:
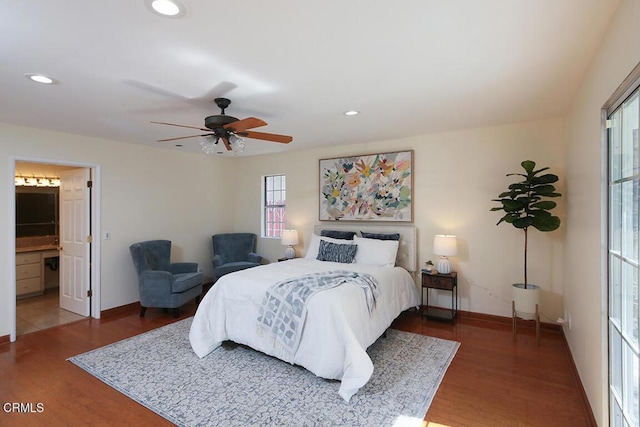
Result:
74,232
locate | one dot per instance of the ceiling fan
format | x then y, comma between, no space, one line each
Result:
229,130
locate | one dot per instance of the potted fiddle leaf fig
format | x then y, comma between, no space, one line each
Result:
525,204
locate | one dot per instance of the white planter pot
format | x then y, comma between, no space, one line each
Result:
526,300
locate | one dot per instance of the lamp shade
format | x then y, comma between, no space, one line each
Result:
445,245
289,237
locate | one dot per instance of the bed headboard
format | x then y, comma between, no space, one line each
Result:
407,251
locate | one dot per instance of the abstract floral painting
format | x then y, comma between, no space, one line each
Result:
376,187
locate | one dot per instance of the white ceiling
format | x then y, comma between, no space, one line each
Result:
411,67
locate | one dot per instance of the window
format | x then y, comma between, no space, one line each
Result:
623,120
274,201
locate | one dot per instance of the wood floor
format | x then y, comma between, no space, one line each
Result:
492,381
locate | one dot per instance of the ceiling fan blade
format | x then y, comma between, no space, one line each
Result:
182,137
154,89
244,124
182,126
226,142
283,139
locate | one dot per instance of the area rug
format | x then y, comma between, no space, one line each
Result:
238,386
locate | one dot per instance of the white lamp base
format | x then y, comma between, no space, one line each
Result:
444,266
290,253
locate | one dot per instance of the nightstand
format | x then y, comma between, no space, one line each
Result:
445,282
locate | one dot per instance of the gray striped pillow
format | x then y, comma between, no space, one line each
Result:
336,252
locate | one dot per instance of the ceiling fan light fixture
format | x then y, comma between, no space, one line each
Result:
237,144
209,143
167,8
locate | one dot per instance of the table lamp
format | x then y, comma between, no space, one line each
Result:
289,238
444,245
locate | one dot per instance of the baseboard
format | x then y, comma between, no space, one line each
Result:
576,377
5,339
120,310
507,320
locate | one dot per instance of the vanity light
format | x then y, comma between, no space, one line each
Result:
37,181
168,8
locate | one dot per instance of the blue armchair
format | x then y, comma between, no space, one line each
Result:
162,283
233,252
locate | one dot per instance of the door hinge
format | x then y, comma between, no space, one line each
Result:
89,239
608,124
89,293
89,184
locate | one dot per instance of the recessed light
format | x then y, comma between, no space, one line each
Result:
351,113
40,78
168,8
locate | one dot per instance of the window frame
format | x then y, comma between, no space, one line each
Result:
273,205
622,347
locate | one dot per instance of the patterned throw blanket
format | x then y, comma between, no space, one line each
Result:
284,306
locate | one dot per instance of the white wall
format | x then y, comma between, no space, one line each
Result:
585,272
147,193
455,177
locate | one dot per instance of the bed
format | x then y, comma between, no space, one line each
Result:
339,325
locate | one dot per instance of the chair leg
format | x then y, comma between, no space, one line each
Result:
142,310
514,320
176,312
537,326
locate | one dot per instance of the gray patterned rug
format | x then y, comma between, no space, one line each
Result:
237,386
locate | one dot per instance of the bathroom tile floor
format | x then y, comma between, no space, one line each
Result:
42,312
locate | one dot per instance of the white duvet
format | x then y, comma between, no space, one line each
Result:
338,327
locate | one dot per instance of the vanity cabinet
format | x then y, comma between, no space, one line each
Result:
29,274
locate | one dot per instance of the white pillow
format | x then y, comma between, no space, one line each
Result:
314,245
376,252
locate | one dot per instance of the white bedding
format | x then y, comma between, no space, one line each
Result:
338,328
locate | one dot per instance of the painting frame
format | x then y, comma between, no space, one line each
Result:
367,187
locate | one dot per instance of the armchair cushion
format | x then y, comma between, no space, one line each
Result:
185,281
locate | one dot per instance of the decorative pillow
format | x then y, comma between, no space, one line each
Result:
380,236
376,252
337,234
314,245
336,252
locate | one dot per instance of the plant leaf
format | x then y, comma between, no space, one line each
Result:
547,224
523,222
528,166
539,170
512,205
546,205
544,190
544,179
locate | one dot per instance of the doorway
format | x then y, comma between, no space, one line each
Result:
48,299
